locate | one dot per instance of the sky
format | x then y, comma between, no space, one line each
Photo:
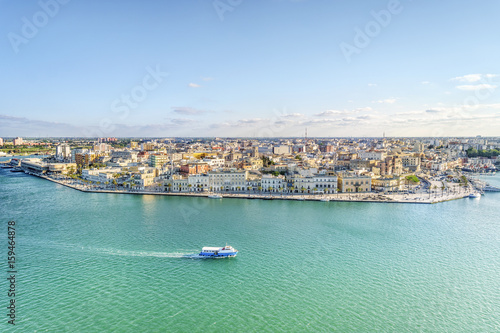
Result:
241,68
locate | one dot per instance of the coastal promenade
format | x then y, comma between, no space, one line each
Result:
414,198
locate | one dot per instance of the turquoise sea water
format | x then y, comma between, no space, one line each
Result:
124,263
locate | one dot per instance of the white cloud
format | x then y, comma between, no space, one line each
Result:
207,78
183,121
473,77
386,101
194,85
343,112
188,111
467,78
473,87
250,121
292,115
328,113
372,84
425,82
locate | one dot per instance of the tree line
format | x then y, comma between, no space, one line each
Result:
473,152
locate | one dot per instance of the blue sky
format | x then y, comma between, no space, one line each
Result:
249,68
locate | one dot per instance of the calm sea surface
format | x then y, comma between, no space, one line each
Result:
125,263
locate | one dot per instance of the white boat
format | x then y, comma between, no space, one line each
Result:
218,252
475,195
215,196
325,199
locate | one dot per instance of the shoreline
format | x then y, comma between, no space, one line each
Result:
337,197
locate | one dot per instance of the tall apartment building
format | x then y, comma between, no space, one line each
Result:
157,160
63,151
84,159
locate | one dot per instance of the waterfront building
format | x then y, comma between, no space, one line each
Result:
354,183
198,183
302,184
61,168
325,183
99,175
227,180
1,142
270,183
34,165
177,183
144,179
314,184
387,184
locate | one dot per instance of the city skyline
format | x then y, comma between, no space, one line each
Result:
249,69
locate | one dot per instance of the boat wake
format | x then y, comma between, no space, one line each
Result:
127,253
116,252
